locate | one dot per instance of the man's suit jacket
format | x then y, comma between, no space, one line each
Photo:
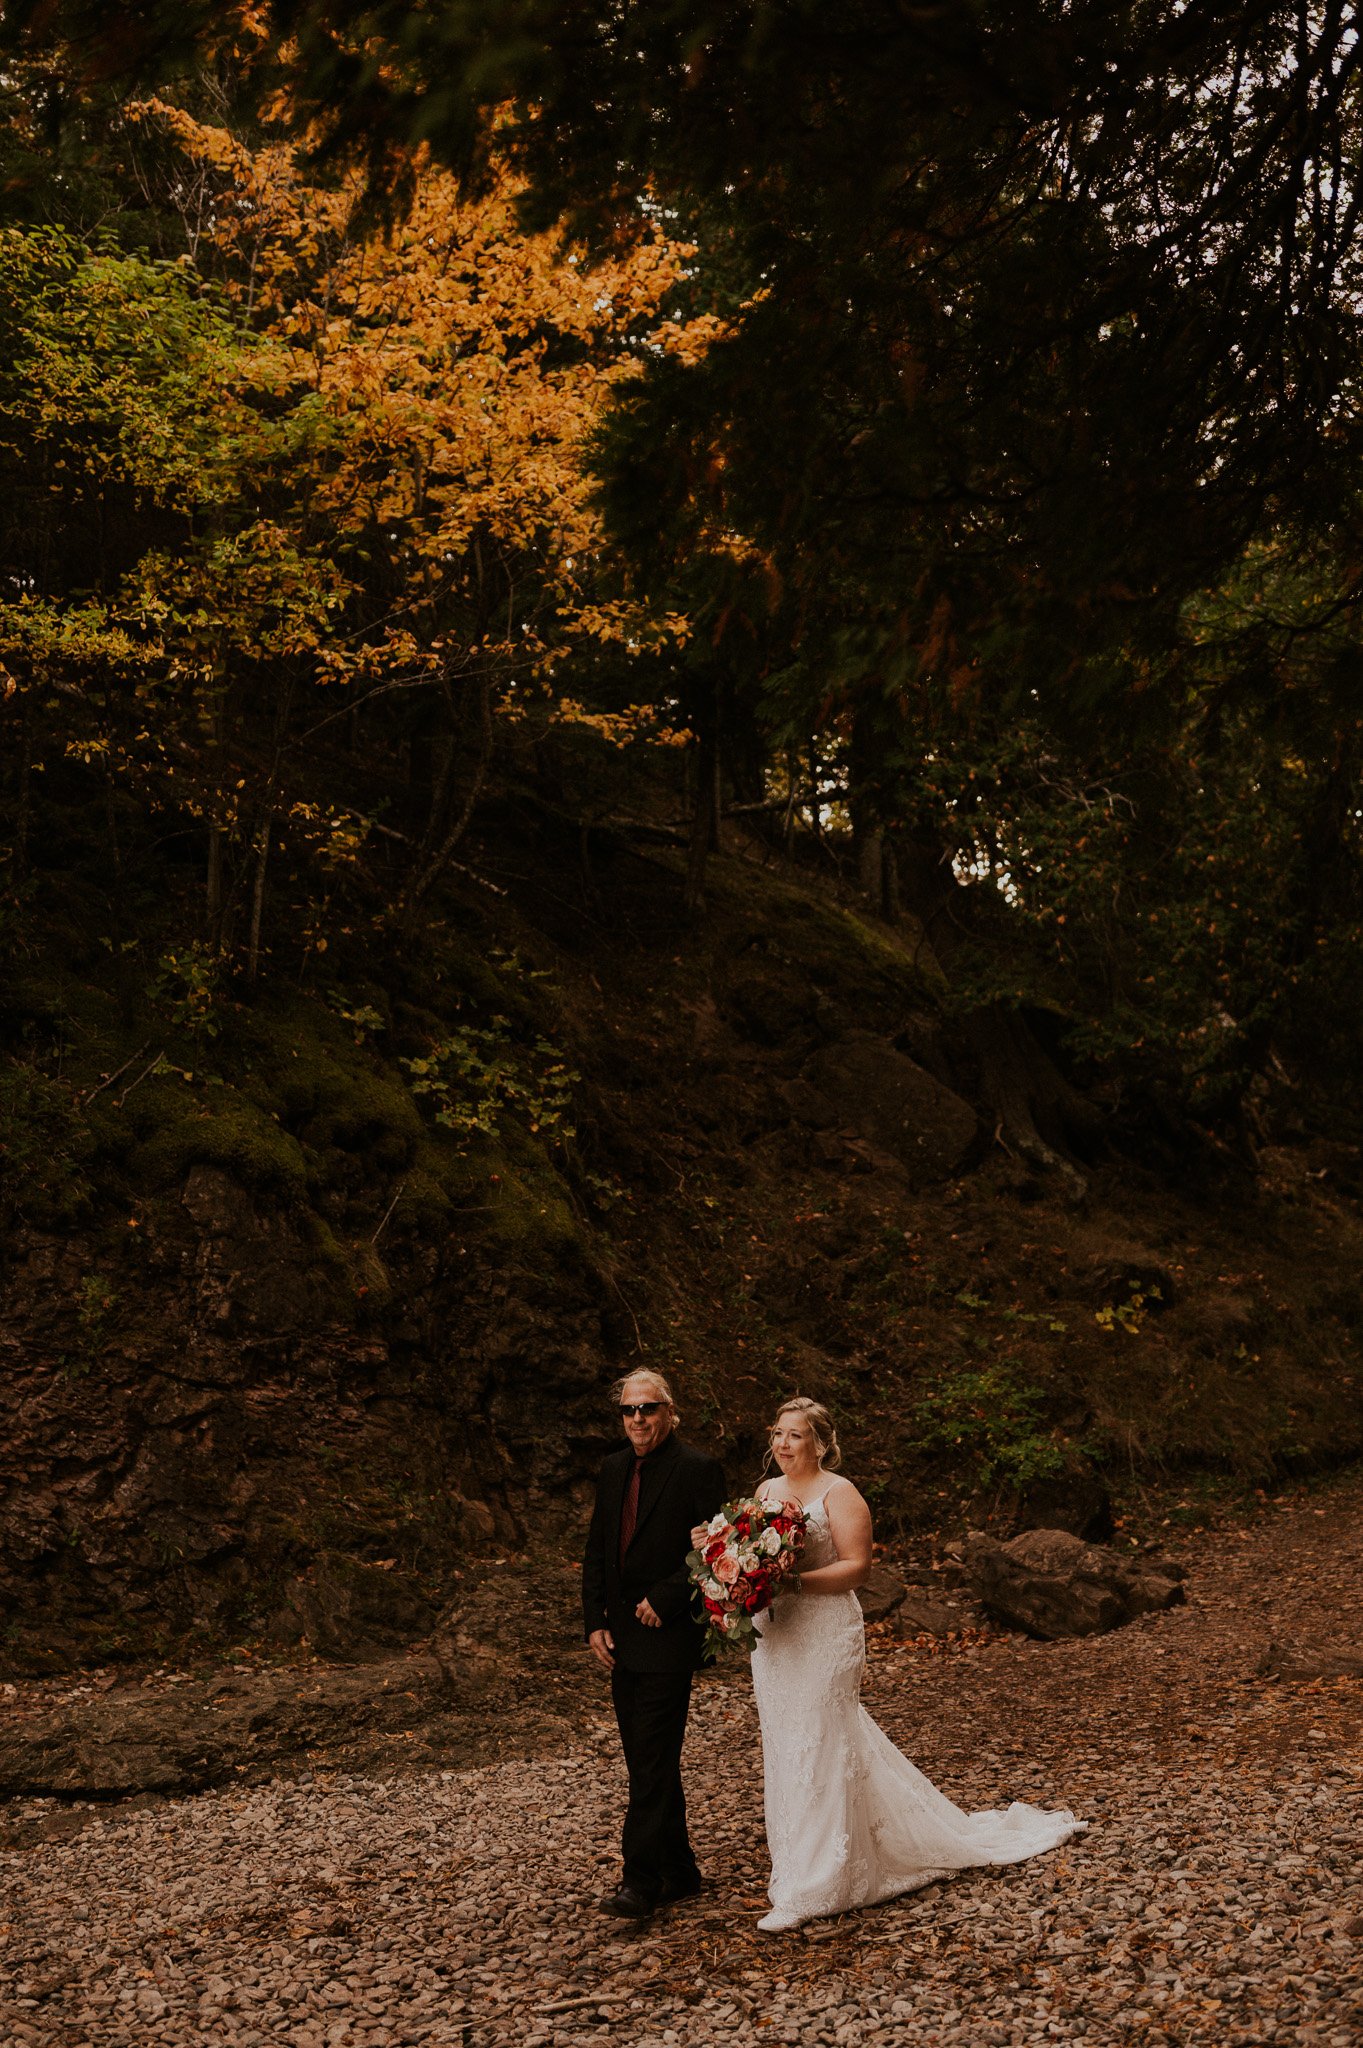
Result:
678,1487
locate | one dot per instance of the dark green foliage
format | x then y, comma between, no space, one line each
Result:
993,1419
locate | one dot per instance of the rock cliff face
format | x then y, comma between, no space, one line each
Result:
279,1353
255,1445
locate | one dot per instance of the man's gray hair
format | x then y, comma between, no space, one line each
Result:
655,1380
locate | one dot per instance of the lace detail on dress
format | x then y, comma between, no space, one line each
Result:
849,1819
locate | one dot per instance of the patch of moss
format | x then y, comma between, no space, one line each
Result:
237,1137
332,1095
768,930
319,1234
352,1109
528,1215
151,1107
501,1193
424,1205
534,1224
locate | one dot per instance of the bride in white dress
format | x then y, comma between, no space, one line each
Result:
849,1818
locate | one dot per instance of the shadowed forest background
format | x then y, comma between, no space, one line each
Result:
678,687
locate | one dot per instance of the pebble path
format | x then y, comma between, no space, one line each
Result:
1217,1898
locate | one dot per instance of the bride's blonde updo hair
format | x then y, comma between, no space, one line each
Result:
820,1421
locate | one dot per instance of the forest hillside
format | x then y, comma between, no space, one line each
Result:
635,731
283,1348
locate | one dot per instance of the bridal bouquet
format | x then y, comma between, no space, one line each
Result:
749,1547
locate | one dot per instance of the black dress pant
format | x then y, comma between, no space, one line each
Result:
650,1709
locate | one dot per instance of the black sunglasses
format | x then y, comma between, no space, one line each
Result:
640,1407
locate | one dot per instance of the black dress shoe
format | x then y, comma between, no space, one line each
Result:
628,1904
683,1888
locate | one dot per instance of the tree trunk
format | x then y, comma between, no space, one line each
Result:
1036,1112
25,805
111,821
704,824
258,896
864,804
705,815
1034,1106
427,872
892,904
213,884
792,789
436,745
215,881
265,829
870,849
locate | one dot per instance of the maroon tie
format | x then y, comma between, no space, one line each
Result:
629,1513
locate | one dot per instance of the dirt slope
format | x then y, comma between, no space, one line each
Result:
282,1353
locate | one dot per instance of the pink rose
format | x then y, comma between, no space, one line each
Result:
726,1570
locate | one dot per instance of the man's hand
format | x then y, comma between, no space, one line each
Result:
644,1613
601,1643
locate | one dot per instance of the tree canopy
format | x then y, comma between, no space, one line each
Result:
945,416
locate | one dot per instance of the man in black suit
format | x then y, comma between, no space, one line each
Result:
640,1626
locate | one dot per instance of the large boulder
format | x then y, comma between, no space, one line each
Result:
881,1593
920,1615
896,1104
1053,1584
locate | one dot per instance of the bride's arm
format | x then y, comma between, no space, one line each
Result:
849,1518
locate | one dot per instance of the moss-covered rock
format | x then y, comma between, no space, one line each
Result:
425,1205
334,1095
237,1137
532,1222
349,1109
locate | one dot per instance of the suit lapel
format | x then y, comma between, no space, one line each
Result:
657,1475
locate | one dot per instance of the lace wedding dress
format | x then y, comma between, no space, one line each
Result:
849,1819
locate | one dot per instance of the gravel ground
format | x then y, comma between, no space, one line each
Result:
1218,1897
